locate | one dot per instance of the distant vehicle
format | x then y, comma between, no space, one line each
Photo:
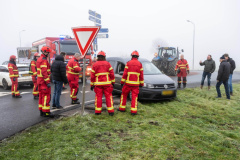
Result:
157,86
69,46
166,60
24,76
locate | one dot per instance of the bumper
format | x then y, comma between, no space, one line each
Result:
157,94
25,83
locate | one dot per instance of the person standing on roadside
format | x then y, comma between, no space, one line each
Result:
182,69
208,70
102,81
233,66
131,80
13,74
59,77
222,77
43,81
33,72
73,69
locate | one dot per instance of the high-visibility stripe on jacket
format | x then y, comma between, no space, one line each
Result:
43,70
33,68
182,64
13,70
133,73
73,67
102,74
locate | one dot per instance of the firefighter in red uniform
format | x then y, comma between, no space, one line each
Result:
33,72
133,79
182,68
43,81
102,81
13,74
73,69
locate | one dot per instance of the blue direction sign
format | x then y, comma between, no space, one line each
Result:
98,25
95,41
94,20
94,14
103,30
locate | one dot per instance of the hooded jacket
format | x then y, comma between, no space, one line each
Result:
224,71
233,66
209,65
58,69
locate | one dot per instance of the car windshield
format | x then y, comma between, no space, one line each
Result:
167,51
71,48
150,69
23,69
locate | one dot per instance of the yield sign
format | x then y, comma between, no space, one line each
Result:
84,37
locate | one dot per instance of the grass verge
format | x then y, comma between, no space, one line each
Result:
195,125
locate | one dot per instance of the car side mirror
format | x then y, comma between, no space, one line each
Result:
121,73
182,50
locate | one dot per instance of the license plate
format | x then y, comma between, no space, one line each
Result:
167,93
25,75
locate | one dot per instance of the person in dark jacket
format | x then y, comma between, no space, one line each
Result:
233,66
208,70
223,75
59,77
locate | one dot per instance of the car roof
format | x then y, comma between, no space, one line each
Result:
126,59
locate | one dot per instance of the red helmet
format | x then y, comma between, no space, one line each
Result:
46,49
36,54
135,53
101,53
12,57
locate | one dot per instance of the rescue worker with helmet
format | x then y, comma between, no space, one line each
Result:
182,68
102,81
33,72
13,74
132,79
73,69
43,81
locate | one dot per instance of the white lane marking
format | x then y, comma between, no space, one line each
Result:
25,92
5,93
64,92
85,91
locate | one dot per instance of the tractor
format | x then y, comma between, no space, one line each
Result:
166,59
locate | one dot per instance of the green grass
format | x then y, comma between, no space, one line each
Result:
193,126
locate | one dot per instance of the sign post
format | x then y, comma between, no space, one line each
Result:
84,37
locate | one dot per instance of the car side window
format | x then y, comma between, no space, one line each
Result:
120,67
112,64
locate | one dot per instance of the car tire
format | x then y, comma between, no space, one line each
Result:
5,84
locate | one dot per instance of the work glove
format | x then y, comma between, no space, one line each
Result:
92,87
121,85
140,86
113,84
48,85
14,79
188,71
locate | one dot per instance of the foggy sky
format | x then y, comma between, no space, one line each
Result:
133,25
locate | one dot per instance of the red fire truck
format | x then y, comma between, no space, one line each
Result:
69,46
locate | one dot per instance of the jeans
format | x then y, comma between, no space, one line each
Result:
230,83
225,83
57,92
208,74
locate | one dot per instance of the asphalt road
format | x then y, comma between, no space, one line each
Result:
19,114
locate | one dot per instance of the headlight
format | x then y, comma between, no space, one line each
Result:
147,85
89,69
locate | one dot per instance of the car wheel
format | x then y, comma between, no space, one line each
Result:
5,84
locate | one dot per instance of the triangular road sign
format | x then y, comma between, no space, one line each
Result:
84,37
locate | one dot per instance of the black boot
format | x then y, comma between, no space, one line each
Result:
179,85
41,113
97,113
48,114
184,85
75,102
13,95
35,97
111,114
133,114
18,96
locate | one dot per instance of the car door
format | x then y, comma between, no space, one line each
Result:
118,75
1,74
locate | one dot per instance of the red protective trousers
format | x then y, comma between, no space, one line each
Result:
15,87
73,83
44,97
107,90
35,86
182,76
125,91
